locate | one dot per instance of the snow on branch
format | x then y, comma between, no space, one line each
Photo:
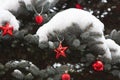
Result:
87,24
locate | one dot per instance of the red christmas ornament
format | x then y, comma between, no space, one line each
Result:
60,51
7,29
39,19
78,6
65,76
98,66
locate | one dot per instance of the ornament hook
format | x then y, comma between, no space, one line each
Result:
99,57
60,40
66,71
36,10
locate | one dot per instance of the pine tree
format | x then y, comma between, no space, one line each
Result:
22,57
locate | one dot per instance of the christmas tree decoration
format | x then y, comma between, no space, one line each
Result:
98,65
60,51
92,26
65,76
78,6
7,29
91,49
39,19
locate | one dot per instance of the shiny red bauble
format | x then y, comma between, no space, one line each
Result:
98,66
65,76
39,19
78,6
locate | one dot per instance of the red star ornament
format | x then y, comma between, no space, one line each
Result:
60,51
7,29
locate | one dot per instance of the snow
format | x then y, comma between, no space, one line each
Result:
9,4
114,48
13,5
17,71
109,9
55,65
6,16
104,1
64,19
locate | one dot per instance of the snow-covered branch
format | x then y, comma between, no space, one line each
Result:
86,22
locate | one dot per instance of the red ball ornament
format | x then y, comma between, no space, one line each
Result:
78,6
98,66
65,76
39,19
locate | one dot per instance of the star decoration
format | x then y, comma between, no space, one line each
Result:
7,29
60,51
